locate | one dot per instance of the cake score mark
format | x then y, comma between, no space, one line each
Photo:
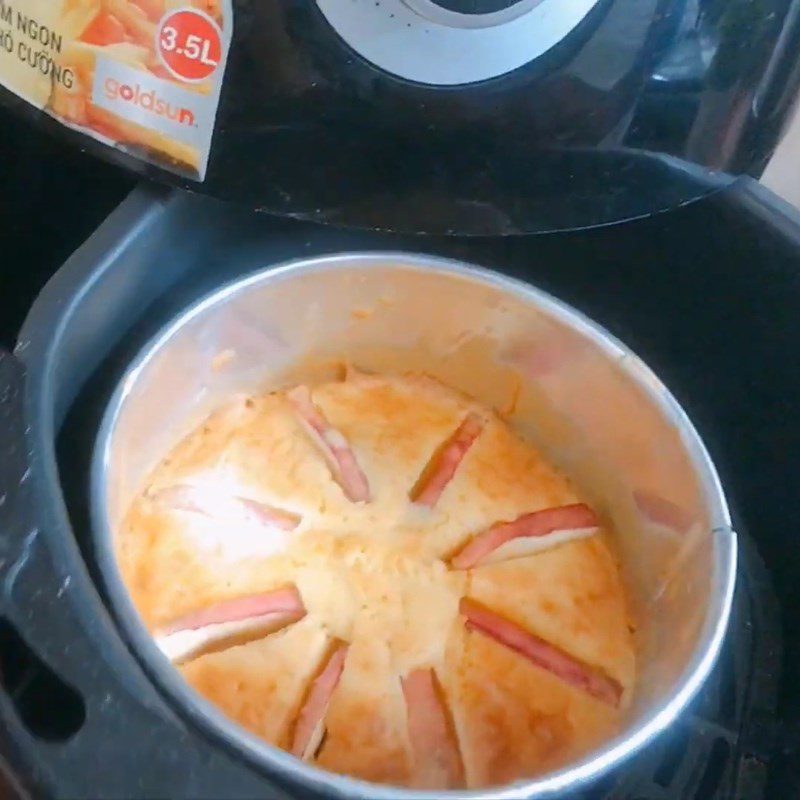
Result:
230,623
527,534
431,732
444,462
572,671
334,447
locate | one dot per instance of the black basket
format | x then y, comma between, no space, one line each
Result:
82,719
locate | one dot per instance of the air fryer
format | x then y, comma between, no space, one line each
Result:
639,114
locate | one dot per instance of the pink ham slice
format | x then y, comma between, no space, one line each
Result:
269,515
577,519
431,732
662,511
310,726
230,623
334,447
280,601
545,655
443,464
205,501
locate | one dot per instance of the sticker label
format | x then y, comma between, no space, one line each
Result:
189,45
141,75
153,103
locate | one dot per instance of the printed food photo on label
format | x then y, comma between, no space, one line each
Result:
147,75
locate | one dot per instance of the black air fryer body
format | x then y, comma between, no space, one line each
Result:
583,134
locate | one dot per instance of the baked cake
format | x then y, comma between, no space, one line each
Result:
381,577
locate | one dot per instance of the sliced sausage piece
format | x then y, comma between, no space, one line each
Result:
431,733
333,446
545,655
230,623
210,503
662,511
527,534
444,462
310,727
269,516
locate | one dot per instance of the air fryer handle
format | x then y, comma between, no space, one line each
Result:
21,667
43,594
17,531
39,597
16,525
32,587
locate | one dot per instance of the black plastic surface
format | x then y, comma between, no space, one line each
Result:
52,198
707,295
16,528
307,128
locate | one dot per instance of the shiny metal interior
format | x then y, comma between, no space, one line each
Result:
588,401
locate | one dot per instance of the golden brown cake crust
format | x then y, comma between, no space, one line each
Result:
376,575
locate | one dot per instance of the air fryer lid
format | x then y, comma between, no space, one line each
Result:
471,116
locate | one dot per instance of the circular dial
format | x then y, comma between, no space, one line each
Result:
471,13
452,42
476,6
